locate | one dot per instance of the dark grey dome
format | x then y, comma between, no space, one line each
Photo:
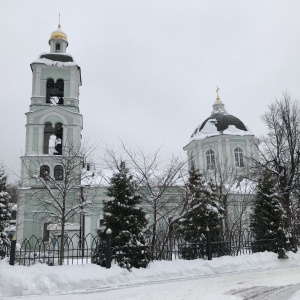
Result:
222,122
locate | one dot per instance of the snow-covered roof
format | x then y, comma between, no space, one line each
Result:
220,123
50,62
54,61
210,129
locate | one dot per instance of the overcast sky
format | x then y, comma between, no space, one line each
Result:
150,68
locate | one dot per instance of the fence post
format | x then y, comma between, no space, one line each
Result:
208,244
108,248
281,250
12,251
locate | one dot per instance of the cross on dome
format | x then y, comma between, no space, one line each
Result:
58,34
218,106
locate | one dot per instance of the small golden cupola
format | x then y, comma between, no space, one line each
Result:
58,40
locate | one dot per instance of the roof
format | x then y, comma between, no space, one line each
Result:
222,122
55,59
58,57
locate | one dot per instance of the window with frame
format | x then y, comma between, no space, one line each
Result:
101,223
46,232
238,157
53,137
59,139
55,91
57,47
44,172
48,132
58,173
210,159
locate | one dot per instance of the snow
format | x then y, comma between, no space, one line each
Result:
42,279
10,228
14,207
232,130
243,187
50,62
210,130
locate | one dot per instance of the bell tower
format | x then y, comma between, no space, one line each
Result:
53,122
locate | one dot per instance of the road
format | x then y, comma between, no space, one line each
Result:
272,284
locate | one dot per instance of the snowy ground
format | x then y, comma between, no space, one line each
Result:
256,276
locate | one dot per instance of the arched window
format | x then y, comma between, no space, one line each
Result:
60,90
55,91
50,86
44,172
58,173
48,132
59,139
238,156
53,138
210,159
57,47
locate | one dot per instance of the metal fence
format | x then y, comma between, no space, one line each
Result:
230,243
78,250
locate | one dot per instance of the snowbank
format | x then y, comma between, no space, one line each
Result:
42,279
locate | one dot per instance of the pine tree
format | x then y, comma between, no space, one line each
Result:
268,220
3,180
5,212
204,213
127,222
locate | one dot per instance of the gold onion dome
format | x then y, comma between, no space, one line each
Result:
58,34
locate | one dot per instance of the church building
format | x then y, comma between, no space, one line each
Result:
54,125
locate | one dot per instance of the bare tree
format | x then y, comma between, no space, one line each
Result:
235,188
161,187
60,195
240,202
281,149
14,191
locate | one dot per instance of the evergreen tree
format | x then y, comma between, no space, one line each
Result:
3,180
5,213
204,212
268,221
127,222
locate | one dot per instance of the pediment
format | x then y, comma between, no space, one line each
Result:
63,115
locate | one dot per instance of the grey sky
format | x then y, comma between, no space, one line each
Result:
150,68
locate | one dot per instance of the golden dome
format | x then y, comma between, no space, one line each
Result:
58,34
